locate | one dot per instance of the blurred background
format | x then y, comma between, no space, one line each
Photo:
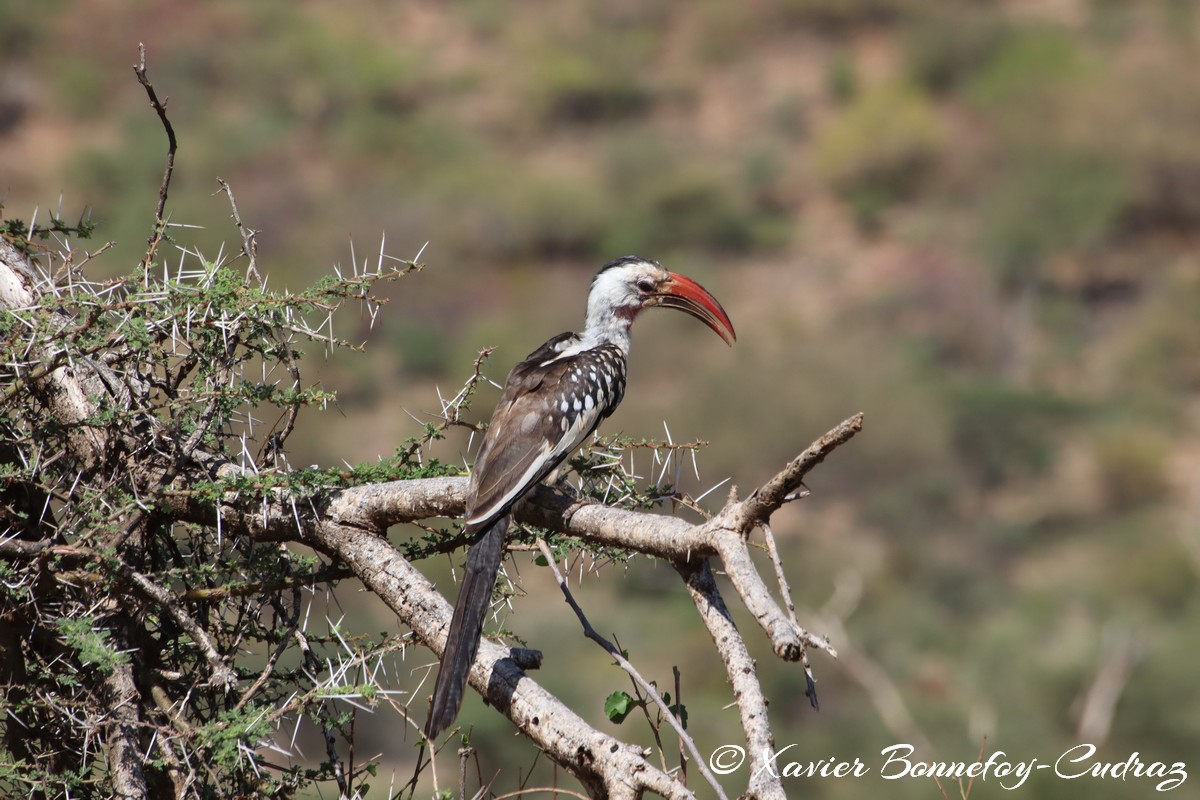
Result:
976,222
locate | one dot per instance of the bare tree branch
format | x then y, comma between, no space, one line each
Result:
1120,653
221,675
769,498
787,639
608,767
616,653
249,235
160,108
743,677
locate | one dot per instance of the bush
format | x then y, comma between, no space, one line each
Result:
663,198
1047,203
1002,433
1131,465
567,87
1035,60
1163,338
945,50
841,14
878,150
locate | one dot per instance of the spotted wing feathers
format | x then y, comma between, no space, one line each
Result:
552,402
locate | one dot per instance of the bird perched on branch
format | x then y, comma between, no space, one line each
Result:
552,402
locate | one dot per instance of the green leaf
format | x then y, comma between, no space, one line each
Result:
679,710
618,705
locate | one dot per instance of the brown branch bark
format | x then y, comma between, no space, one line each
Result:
160,108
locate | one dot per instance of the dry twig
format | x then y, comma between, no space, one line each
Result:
160,108
617,655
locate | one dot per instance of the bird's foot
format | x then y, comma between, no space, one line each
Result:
580,501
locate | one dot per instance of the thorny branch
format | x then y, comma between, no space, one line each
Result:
249,236
222,675
620,658
160,108
159,465
344,528
348,524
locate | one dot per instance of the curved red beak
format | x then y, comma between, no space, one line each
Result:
683,293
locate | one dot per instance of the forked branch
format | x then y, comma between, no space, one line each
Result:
620,658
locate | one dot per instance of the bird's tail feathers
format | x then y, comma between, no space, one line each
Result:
462,641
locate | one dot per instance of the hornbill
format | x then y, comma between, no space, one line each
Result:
552,401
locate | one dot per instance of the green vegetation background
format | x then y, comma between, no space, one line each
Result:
976,222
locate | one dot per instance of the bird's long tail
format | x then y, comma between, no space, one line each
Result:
462,642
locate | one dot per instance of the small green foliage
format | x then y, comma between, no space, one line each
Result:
671,200
941,63
224,736
1048,203
27,237
1003,433
842,79
1020,64
618,705
878,150
198,362
1131,462
680,711
309,482
91,643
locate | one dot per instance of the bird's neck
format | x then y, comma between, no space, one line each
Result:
607,325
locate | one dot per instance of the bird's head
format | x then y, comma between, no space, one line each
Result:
625,286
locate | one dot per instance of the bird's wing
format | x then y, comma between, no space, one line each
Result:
551,404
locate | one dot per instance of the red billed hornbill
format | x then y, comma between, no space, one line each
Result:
552,402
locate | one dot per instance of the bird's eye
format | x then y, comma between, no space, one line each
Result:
645,285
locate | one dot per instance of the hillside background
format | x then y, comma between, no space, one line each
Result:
977,222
